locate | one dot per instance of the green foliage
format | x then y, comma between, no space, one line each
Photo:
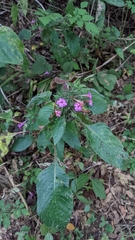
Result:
18,209
13,51
54,197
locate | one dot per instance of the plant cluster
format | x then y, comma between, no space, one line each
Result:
62,117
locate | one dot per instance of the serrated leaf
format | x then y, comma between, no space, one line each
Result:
11,48
54,197
42,141
14,13
40,98
83,199
73,42
98,188
41,65
22,143
24,6
58,129
44,114
117,3
106,145
107,80
70,136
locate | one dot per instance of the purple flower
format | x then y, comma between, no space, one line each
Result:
61,102
46,73
78,107
20,125
90,102
89,95
57,113
32,21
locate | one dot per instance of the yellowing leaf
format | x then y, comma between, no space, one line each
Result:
70,227
34,47
5,140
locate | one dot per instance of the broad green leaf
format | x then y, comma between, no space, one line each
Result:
98,188
44,114
117,3
91,27
5,140
127,89
132,51
73,42
54,197
22,143
25,34
70,7
42,141
84,4
40,98
119,51
67,67
11,47
99,103
87,18
48,237
70,136
14,13
111,33
106,145
58,129
41,65
82,180
107,80
60,149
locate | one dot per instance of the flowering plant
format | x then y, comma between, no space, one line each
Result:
65,119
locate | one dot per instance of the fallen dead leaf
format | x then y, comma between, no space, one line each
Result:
70,227
122,209
108,198
129,194
116,217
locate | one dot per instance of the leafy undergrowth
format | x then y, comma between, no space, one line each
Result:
67,113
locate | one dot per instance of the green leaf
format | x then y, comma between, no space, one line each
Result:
42,141
22,143
106,145
91,27
117,3
83,199
24,6
73,42
11,48
14,13
45,113
67,67
60,149
127,89
40,98
6,221
54,198
25,34
70,7
84,4
48,237
98,188
119,51
107,80
58,129
82,180
99,103
41,65
70,136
